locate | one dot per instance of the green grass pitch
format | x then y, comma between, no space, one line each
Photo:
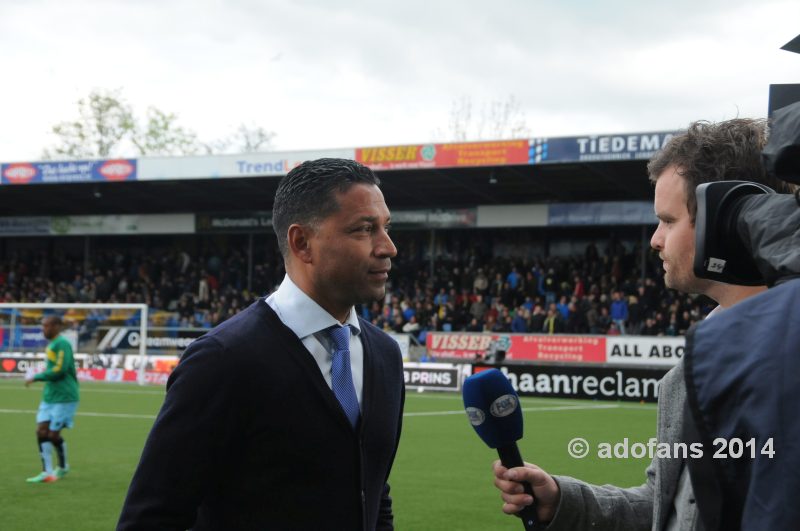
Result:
441,478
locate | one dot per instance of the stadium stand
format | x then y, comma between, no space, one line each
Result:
468,291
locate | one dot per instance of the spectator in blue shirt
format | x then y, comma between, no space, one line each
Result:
563,308
519,324
408,312
619,311
441,298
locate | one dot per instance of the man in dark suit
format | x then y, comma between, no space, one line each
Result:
288,415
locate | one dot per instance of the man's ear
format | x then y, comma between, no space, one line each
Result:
299,241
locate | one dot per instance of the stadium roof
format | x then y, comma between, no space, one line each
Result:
567,169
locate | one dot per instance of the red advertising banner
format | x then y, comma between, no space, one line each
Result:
519,347
458,345
561,348
106,375
462,154
121,375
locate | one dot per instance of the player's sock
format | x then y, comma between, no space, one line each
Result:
61,452
47,457
39,441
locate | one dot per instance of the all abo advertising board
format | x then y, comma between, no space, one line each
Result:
558,348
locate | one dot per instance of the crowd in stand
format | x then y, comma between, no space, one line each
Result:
196,291
594,293
589,294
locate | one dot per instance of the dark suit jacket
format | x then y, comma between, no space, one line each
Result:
251,437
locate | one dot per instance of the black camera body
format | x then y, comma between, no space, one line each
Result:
745,233
719,255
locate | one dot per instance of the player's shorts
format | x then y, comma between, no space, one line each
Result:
59,415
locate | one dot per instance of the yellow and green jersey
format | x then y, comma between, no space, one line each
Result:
60,377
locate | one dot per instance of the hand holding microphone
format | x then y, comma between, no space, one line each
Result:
494,411
510,483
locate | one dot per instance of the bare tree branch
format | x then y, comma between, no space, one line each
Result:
496,120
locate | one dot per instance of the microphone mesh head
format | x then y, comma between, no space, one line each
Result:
493,408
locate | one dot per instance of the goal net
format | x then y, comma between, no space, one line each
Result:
110,341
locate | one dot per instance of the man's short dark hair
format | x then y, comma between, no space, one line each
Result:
307,194
708,152
53,318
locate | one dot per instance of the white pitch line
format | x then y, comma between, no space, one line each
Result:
116,415
539,400
523,399
525,410
416,414
87,414
530,400
122,391
84,390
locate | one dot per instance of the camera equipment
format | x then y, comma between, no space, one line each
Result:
745,233
741,367
496,353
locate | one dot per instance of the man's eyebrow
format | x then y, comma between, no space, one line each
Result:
372,219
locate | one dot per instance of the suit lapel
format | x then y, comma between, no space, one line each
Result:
368,379
300,355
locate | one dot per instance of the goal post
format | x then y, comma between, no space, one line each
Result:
15,316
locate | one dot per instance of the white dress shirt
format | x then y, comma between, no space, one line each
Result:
309,321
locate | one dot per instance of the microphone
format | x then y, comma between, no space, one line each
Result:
494,411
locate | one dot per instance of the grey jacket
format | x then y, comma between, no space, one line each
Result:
610,508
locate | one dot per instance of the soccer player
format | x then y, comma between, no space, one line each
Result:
59,401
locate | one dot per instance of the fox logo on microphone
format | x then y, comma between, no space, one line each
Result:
504,405
476,416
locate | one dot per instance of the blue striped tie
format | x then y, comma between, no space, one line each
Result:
341,375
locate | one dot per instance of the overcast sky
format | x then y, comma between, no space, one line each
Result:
329,74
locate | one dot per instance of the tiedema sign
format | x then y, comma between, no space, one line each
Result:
593,148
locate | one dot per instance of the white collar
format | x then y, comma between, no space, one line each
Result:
302,314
